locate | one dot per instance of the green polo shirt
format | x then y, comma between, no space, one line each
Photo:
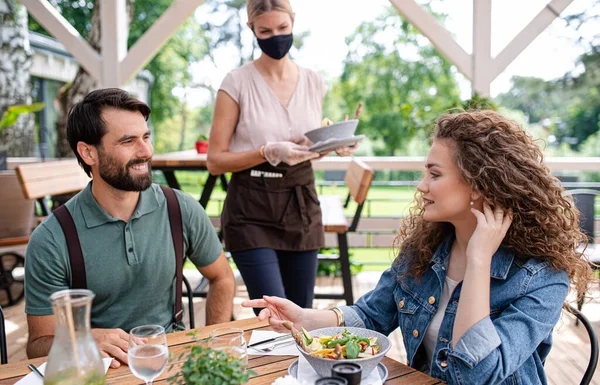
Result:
130,266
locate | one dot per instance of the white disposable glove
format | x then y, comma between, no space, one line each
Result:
347,151
287,152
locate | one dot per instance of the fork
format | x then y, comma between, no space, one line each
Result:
272,347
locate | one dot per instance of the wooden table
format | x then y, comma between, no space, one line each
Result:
187,161
268,368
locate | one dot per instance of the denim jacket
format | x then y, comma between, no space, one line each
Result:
507,347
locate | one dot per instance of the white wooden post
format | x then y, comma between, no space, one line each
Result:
146,47
115,29
479,67
55,24
436,33
482,51
539,23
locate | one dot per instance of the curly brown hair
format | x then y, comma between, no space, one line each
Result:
502,163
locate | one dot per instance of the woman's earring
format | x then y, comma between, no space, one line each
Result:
472,203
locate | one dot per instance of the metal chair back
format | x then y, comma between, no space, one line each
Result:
591,368
584,202
190,295
3,349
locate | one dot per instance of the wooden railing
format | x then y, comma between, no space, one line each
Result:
412,163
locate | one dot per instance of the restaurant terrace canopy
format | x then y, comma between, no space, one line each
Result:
114,65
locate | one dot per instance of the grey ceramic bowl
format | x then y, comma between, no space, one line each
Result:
323,365
340,130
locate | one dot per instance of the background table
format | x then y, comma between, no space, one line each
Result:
187,161
268,368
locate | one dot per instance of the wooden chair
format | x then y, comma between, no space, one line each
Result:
41,180
358,180
38,181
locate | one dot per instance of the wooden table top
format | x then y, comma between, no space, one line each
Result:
268,368
180,159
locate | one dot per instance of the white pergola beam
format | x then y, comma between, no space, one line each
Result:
436,33
539,23
482,46
146,47
115,28
63,31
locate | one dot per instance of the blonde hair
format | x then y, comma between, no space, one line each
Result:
259,7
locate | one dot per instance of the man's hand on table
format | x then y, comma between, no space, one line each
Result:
112,343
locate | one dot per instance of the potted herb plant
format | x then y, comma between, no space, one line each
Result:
204,365
17,217
202,144
10,117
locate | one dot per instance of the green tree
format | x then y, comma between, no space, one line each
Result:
402,80
583,119
170,67
537,98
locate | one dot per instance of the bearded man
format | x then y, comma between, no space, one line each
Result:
123,225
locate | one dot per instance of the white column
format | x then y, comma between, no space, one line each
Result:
482,47
436,33
115,29
536,26
146,47
55,24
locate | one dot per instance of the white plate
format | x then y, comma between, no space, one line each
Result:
332,145
383,371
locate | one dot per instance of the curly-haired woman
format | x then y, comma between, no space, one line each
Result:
486,259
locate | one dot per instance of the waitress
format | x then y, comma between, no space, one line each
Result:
271,219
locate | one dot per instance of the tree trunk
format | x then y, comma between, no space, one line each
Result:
83,83
15,62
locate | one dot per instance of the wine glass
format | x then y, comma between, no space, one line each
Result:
148,352
230,340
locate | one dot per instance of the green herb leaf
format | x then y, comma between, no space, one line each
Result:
352,349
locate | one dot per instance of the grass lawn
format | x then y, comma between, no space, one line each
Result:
383,201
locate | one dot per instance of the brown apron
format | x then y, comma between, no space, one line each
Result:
273,207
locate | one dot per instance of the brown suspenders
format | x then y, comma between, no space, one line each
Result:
78,278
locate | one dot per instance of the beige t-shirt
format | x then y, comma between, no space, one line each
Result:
263,117
432,332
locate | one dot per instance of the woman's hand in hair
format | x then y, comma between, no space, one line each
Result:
492,226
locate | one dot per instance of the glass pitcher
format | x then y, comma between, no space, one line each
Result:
74,357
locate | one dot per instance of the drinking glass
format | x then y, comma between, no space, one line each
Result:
230,340
148,353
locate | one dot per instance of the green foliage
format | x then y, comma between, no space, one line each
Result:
207,366
12,113
170,66
399,76
333,268
537,98
569,107
477,103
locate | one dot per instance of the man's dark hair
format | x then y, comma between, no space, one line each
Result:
85,123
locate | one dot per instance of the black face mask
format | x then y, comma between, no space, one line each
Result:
276,46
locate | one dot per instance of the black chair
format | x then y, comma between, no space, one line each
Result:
3,349
190,295
591,368
584,200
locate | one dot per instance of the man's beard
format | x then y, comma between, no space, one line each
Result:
120,178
